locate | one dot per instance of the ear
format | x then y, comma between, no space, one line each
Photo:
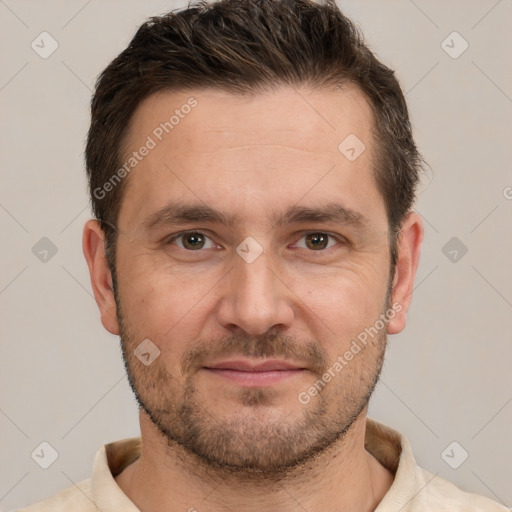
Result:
409,248
101,279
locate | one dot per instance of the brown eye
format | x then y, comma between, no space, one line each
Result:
316,241
192,241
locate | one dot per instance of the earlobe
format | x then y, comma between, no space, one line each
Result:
409,248
101,279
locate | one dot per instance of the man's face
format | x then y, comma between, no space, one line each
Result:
216,307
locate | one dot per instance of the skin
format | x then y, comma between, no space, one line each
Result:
254,447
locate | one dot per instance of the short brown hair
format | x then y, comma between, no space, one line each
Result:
249,47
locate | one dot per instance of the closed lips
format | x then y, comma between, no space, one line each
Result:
247,366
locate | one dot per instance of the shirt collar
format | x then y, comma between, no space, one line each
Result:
388,446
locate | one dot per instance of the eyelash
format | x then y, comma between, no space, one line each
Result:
169,241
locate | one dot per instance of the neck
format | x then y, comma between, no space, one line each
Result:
168,478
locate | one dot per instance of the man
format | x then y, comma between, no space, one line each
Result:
252,171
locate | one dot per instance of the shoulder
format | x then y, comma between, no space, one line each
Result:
441,495
415,489
91,494
76,498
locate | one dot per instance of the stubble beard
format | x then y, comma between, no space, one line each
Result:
260,444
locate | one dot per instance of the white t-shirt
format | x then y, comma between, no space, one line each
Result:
413,490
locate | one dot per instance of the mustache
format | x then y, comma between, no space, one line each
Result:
273,345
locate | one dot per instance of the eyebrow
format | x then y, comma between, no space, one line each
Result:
176,213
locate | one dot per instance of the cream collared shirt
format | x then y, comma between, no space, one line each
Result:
413,490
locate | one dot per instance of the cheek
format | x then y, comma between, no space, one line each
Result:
159,304
343,303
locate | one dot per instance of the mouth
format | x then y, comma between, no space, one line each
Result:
252,373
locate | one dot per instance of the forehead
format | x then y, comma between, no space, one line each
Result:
249,151
314,117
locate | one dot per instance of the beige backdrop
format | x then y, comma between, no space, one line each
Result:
447,377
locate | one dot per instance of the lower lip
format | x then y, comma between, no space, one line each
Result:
255,378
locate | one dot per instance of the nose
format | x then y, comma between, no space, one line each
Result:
255,298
